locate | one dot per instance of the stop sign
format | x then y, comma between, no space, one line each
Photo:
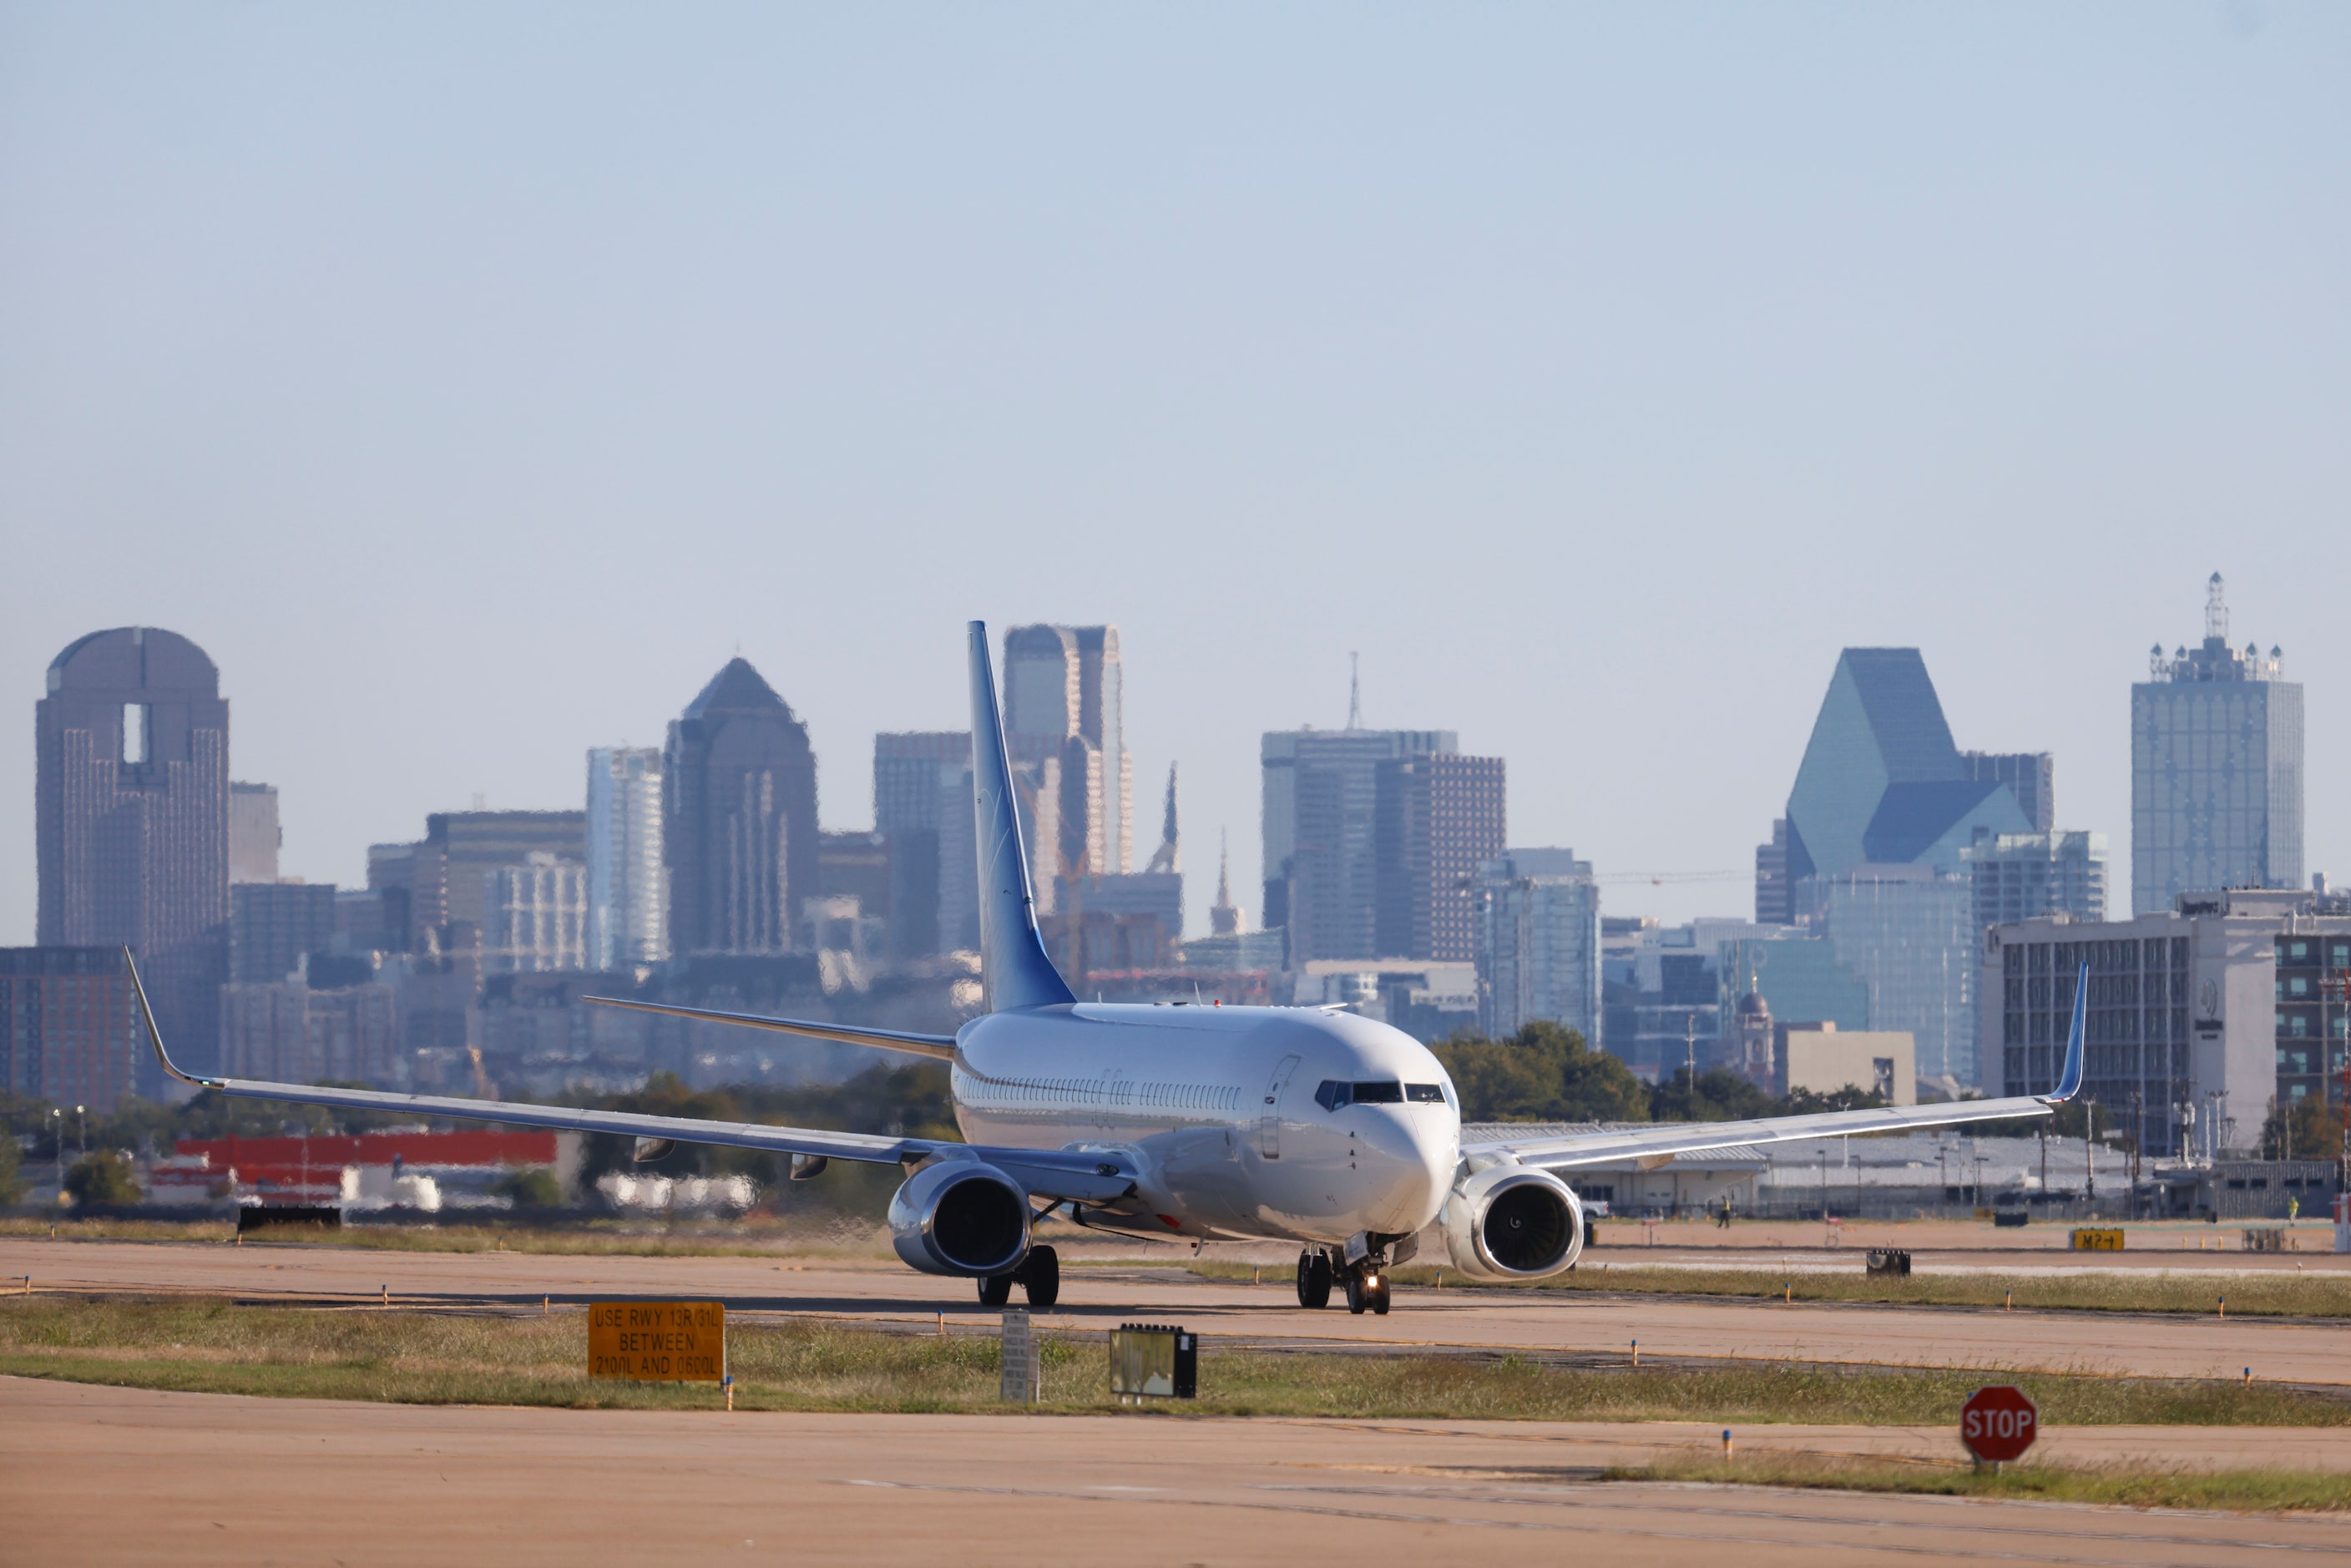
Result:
1999,1423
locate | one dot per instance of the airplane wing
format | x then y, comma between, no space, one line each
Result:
1085,1176
940,1047
1661,1143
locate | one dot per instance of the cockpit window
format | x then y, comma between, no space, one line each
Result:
1334,1094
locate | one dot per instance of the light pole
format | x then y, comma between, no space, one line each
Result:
2090,1152
58,1142
2138,1136
83,1111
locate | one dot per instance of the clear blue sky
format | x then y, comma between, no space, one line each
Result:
473,379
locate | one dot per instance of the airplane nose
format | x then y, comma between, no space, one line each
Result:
1416,1160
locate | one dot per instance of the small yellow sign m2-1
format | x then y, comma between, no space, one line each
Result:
658,1342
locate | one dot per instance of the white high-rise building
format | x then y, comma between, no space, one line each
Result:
535,917
1065,724
628,884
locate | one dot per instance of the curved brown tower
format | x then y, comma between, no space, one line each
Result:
132,807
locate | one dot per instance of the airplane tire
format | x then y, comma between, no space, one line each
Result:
995,1289
1041,1276
1357,1297
1379,1297
1313,1279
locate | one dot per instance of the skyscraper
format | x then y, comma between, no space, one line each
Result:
253,833
1882,813
535,917
1910,933
1436,820
1881,782
1321,793
132,807
1537,936
739,819
70,1029
443,876
274,926
2031,777
2216,769
1064,702
1775,899
2027,876
921,805
628,884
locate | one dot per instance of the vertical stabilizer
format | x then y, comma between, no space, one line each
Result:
1013,964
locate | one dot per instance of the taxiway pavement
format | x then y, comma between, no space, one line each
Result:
132,1477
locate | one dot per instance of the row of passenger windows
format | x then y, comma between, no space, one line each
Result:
1336,1092
1122,1091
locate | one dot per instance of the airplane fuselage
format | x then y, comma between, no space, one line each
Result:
1219,1109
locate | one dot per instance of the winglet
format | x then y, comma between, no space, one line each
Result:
2069,1081
156,1035
1013,963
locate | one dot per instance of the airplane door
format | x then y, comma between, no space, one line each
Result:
1268,1125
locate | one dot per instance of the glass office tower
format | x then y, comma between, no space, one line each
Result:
2216,769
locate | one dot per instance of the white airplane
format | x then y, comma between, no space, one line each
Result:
1203,1123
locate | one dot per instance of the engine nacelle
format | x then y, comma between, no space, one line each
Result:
1512,1222
960,1217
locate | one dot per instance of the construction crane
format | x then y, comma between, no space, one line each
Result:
1661,878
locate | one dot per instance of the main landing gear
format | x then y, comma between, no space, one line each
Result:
1366,1283
1314,1278
1039,1274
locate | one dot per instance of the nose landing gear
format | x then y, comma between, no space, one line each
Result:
1366,1283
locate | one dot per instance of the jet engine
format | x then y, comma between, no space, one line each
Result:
1511,1222
960,1217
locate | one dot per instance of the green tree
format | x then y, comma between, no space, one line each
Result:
1544,1072
12,1182
1811,1102
102,1175
1718,1095
530,1186
2306,1129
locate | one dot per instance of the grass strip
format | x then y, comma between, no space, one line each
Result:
2265,1491
214,1346
816,1237
2278,1294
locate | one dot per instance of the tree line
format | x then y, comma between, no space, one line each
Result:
1547,1072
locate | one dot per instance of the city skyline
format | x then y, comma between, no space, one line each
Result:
1614,309
1726,896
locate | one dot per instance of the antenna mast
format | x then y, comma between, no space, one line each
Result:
1354,694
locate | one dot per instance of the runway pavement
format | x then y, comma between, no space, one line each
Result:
1583,1324
129,1477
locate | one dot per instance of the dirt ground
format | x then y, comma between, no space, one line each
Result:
2142,1344
129,1476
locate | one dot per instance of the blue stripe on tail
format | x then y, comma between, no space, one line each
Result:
2069,1081
1012,961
